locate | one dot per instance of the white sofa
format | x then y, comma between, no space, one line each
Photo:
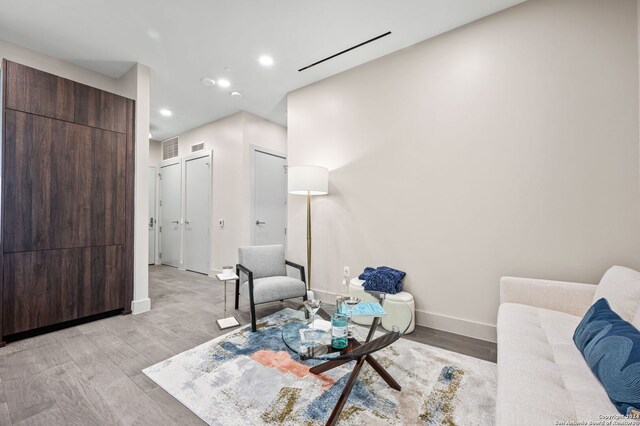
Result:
542,376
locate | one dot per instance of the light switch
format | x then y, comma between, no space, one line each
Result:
221,223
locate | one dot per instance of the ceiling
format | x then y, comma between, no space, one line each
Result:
183,41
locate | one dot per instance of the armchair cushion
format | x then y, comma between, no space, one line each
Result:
263,261
621,287
270,289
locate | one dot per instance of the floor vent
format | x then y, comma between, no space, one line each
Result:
197,147
170,148
345,51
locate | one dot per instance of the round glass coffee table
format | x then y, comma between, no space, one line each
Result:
358,349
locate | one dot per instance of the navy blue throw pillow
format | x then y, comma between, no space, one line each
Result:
611,347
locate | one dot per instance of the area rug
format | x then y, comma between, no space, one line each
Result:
252,378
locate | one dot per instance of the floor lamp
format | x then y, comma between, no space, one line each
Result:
308,180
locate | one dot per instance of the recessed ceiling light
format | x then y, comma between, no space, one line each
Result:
227,69
166,112
153,34
265,61
236,94
208,81
223,83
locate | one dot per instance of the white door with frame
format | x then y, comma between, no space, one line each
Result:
197,214
269,189
170,209
152,215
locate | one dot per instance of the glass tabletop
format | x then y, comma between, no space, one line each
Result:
366,339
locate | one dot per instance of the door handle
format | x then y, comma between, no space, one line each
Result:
260,223
186,222
151,222
176,221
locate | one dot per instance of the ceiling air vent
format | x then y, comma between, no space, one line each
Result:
345,51
170,148
197,147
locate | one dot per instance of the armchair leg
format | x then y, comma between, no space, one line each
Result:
253,317
237,292
304,298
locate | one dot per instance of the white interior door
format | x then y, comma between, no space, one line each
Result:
269,198
152,215
197,216
170,207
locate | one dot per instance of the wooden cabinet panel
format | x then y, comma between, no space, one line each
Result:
41,288
66,183
105,290
108,190
38,92
48,287
97,108
48,180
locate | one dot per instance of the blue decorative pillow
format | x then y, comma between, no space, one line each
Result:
611,347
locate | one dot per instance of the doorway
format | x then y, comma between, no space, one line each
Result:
269,197
197,216
152,214
170,199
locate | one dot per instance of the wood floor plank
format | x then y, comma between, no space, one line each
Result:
120,353
46,418
5,418
18,365
113,385
78,401
28,396
178,412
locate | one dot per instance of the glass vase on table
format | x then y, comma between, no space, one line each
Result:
312,306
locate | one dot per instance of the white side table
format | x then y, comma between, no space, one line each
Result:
226,322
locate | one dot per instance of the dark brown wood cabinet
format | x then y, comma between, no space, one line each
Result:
67,201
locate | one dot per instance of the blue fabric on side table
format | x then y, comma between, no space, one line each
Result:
611,347
383,279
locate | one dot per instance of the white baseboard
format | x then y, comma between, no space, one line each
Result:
460,326
140,306
464,327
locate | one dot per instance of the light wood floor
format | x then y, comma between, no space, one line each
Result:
90,374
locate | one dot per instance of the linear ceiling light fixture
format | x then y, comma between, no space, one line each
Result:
345,51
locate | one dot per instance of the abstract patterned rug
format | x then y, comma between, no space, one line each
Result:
252,378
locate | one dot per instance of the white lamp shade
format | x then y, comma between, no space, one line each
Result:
308,179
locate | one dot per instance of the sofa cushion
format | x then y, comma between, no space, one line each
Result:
611,347
542,377
621,287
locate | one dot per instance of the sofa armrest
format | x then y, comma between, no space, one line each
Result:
568,297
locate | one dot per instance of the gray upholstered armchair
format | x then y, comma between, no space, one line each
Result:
263,277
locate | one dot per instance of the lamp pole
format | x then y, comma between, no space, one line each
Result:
308,240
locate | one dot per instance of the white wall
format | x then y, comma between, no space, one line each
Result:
155,152
230,138
506,147
134,85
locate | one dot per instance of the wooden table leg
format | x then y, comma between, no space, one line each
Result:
329,365
383,373
335,414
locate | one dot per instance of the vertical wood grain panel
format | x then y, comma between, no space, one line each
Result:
48,180
105,290
38,92
70,187
42,287
100,109
108,210
27,152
